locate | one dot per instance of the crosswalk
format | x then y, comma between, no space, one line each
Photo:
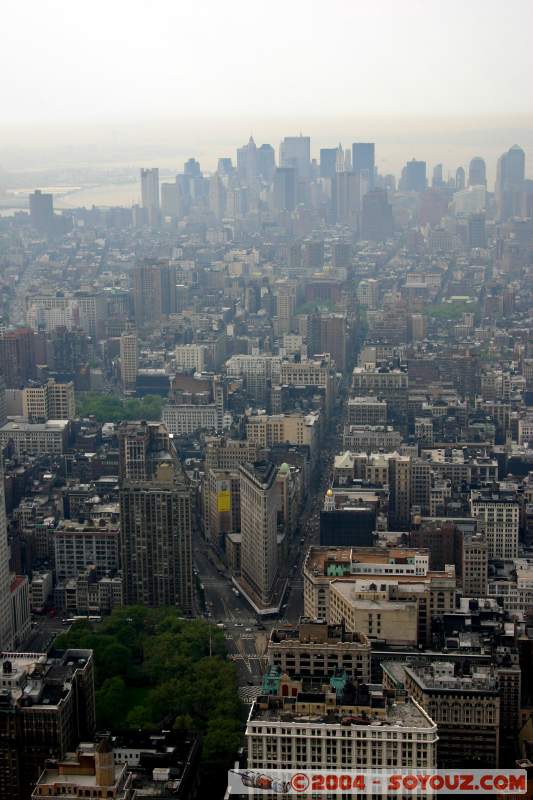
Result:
249,693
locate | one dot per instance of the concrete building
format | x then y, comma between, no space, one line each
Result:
184,419
466,709
366,411
228,454
368,293
78,545
498,515
259,373
89,772
87,594
390,384
6,618
336,726
222,504
129,360
381,609
190,356
434,590
155,519
316,648
475,566
259,510
20,609
47,707
299,429
371,438
35,439
41,587
48,402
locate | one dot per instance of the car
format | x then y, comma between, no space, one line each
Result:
248,630
239,625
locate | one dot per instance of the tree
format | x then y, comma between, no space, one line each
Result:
111,702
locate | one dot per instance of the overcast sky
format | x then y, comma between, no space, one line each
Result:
111,59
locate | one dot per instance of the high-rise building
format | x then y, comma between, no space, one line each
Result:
346,197
170,199
295,152
284,190
510,183
413,176
42,211
466,709
498,515
192,168
363,161
437,180
259,540
17,357
49,401
460,179
328,161
477,172
266,162
376,216
150,193
46,709
247,161
154,290
330,336
6,621
477,236
155,519
400,490
129,360
344,522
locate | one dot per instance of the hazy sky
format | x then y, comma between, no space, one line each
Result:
112,59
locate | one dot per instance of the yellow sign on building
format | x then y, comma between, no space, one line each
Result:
224,501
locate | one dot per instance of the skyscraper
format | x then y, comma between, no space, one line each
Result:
192,168
17,357
284,193
42,211
460,179
363,160
154,290
247,161
437,180
477,236
413,176
477,172
328,160
295,152
259,510
170,199
376,216
156,519
510,175
129,360
150,193
266,162
6,622
346,197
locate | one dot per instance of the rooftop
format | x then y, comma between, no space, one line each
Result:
296,710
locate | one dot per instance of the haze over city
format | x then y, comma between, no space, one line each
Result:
266,399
